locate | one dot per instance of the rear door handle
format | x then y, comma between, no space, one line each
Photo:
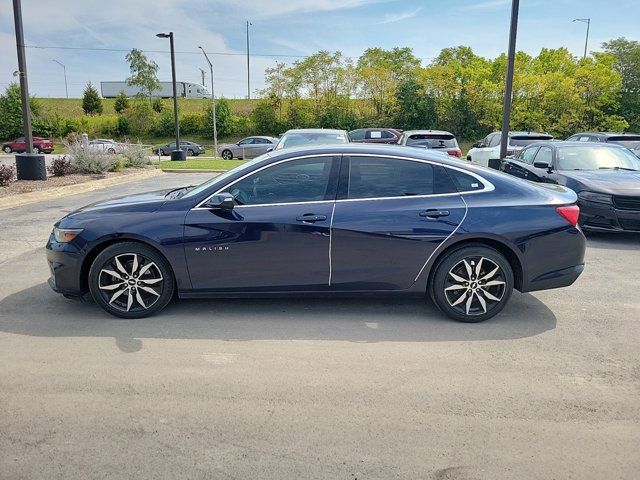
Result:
434,213
311,218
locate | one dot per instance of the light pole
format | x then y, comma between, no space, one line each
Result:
248,77
586,40
66,90
28,165
177,154
213,105
506,106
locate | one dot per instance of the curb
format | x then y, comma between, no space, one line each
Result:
68,190
191,170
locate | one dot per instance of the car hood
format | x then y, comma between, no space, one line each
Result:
149,201
612,182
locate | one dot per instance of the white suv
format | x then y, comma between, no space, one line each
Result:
489,147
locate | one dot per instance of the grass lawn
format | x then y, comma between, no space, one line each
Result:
201,164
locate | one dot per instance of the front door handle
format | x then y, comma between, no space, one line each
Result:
434,213
311,218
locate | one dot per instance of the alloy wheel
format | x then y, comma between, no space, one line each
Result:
475,285
130,282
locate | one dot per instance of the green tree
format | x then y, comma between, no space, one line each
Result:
143,73
157,105
121,103
224,124
91,101
627,63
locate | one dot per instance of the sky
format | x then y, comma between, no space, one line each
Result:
280,31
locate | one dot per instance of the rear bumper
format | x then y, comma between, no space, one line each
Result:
607,218
556,279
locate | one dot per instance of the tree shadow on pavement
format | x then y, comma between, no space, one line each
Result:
38,311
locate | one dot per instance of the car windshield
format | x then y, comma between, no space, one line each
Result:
306,139
431,140
524,140
203,186
596,158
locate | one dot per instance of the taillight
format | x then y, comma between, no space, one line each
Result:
455,153
571,213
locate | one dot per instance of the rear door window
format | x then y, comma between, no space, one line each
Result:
374,134
375,177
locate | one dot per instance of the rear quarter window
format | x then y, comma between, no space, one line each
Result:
465,182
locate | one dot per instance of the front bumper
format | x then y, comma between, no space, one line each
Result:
65,264
606,218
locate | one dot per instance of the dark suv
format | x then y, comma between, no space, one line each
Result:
375,135
629,140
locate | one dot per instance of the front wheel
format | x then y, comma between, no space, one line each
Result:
36,150
227,155
161,152
131,280
472,284
190,153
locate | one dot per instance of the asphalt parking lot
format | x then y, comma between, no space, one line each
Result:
350,389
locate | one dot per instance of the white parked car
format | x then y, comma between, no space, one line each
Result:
487,151
103,145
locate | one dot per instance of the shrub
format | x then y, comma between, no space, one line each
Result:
7,174
60,166
157,105
84,161
139,118
191,123
121,103
135,155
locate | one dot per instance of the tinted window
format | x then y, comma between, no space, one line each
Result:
305,139
246,141
527,154
387,134
371,177
544,155
464,182
595,158
303,180
524,140
432,140
357,134
628,141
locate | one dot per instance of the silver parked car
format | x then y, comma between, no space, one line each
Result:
307,137
249,147
105,145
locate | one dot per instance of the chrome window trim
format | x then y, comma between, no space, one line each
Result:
488,186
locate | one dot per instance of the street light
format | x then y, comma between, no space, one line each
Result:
65,76
213,105
177,154
248,74
586,40
506,107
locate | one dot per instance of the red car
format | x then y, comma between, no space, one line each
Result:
19,145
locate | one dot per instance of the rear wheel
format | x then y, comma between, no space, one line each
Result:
190,153
111,151
36,150
131,280
472,284
7,149
161,152
227,155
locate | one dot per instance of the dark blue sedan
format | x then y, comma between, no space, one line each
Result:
330,220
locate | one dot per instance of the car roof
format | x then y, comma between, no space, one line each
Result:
316,130
608,134
261,136
523,133
436,132
573,143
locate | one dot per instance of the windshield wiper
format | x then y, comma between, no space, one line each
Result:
178,192
619,168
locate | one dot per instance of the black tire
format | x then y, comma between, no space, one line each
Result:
7,149
36,150
111,151
133,296
190,153
489,291
227,154
161,152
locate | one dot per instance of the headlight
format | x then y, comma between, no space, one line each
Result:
595,197
64,235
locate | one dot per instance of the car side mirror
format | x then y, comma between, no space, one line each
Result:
270,149
542,165
223,201
478,145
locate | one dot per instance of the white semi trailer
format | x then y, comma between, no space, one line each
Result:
185,89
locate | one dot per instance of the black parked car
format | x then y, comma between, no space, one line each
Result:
192,148
605,176
629,140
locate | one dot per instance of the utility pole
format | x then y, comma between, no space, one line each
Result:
506,107
586,40
66,90
202,73
177,154
248,74
29,166
213,105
